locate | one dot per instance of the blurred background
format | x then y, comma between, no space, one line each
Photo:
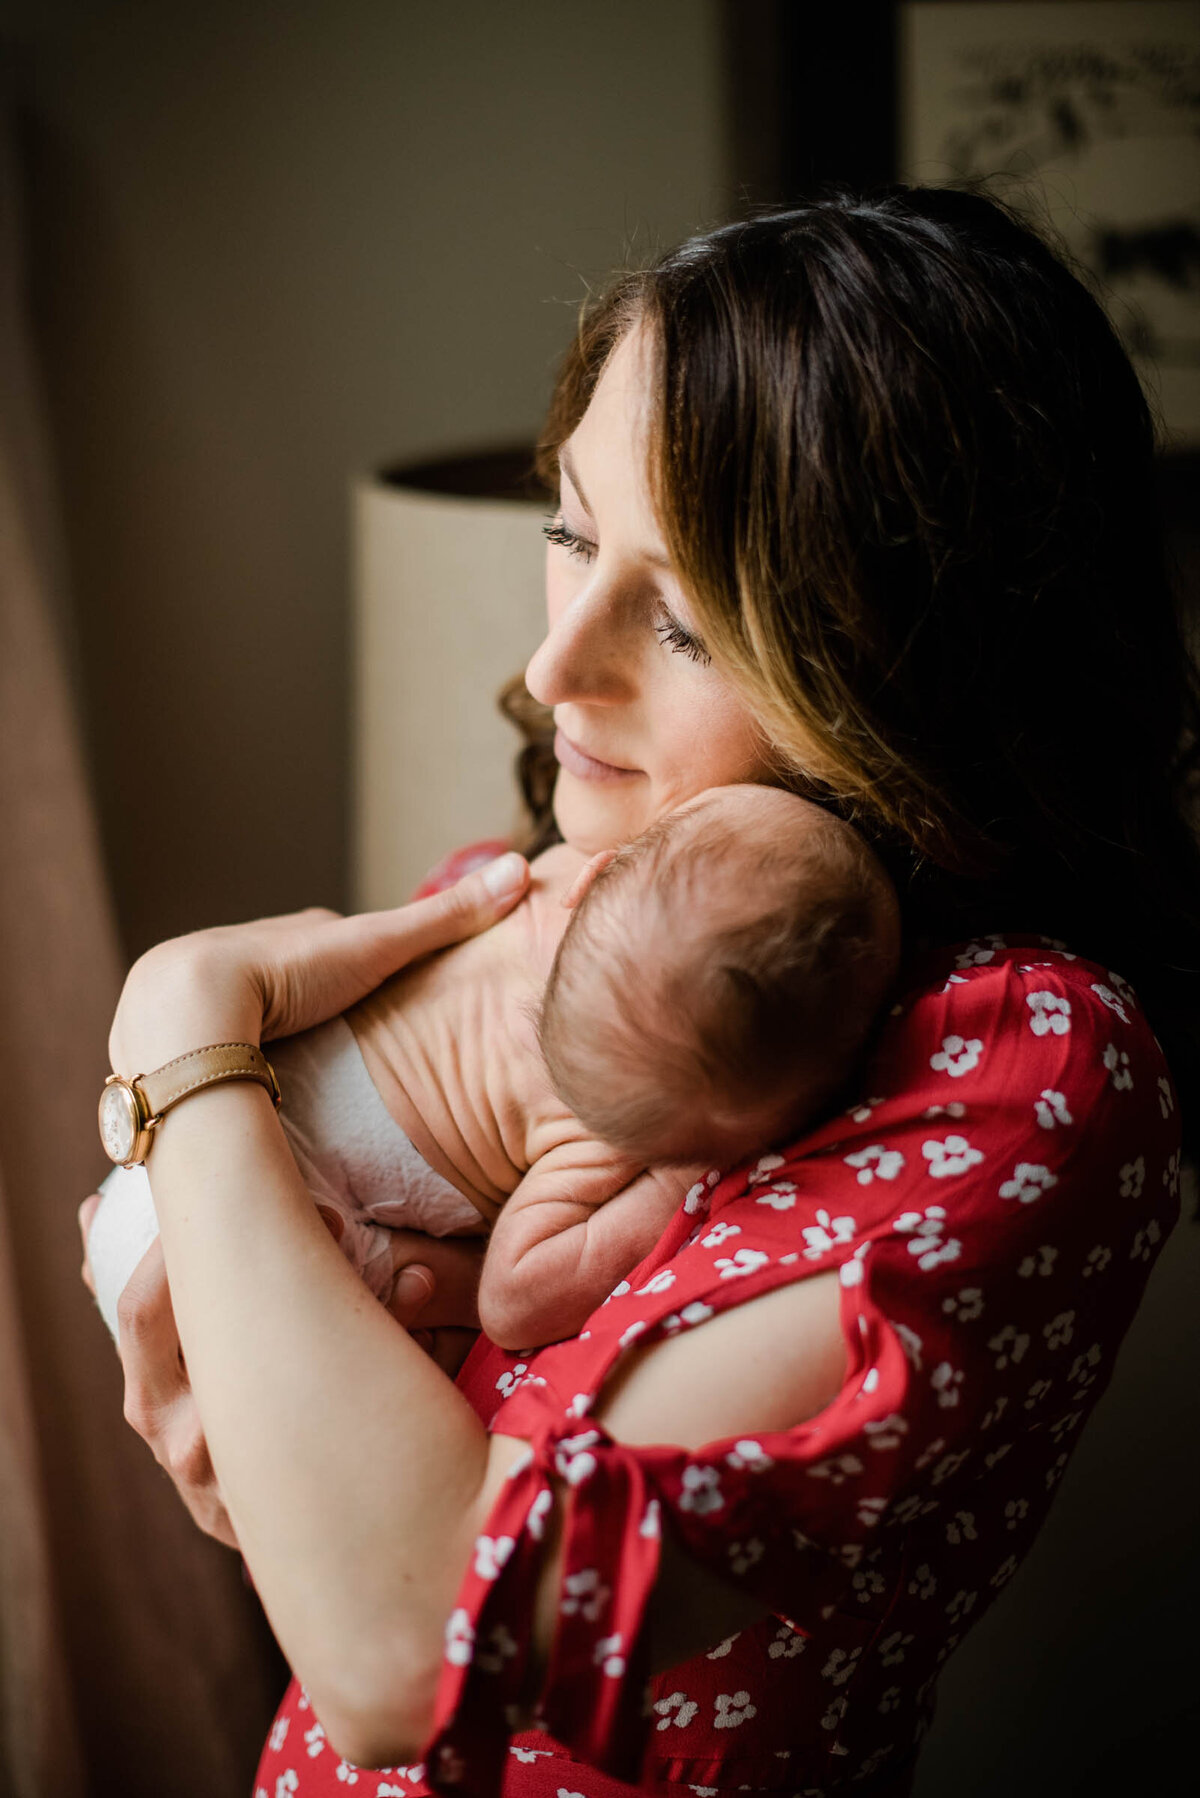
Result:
261,266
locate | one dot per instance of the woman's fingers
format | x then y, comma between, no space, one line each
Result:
85,1214
449,1266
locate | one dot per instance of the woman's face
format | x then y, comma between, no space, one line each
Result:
644,719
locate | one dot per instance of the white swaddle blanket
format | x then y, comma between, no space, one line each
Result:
353,1155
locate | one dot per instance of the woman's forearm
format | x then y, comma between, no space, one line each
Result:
355,1473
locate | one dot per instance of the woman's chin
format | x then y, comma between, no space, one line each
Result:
592,816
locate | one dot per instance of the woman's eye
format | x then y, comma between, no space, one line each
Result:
561,534
671,632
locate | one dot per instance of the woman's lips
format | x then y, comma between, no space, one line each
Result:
586,767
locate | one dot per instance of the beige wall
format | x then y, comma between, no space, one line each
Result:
278,245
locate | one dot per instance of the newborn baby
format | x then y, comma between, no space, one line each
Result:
565,1077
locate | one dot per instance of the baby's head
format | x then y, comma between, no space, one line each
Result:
719,977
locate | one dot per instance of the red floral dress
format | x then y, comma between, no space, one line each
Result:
995,1203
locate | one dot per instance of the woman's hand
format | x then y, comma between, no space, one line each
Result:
435,1286
271,978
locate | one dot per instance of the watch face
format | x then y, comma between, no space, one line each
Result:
119,1121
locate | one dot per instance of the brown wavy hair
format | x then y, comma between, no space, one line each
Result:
906,472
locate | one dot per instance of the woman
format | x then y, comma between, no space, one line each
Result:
857,498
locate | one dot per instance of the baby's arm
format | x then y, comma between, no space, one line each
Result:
580,1220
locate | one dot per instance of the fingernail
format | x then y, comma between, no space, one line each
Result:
414,1286
504,875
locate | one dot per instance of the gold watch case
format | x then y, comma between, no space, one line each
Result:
125,1124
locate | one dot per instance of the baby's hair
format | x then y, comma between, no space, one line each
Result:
718,976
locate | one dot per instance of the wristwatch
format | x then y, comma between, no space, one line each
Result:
130,1109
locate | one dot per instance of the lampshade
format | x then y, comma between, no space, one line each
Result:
449,604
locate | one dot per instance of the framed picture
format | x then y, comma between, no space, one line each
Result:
1086,115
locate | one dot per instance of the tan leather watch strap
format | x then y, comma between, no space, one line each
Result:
205,1067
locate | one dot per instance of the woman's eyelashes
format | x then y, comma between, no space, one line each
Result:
667,628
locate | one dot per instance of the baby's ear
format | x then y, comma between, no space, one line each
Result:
585,877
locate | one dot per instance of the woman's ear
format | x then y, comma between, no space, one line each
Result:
585,877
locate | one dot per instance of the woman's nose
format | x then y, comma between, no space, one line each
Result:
583,656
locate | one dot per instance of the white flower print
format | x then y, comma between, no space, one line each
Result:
1043,1264
875,1162
1144,1241
850,1554
701,1490
779,1198
945,1381
573,1459
890,1699
826,1233
977,953
891,1648
787,1645
732,1709
315,1739
1055,1473
1098,1259
1037,1393
1117,1062
618,1291
955,1109
836,1469
961,1528
745,1261
840,1665
1107,997
910,1342
960,1605
650,1528
851,1271
346,1773
921,1585
528,1755
1082,1365
1051,1015
694,1313
966,1307
1171,1175
684,1708
632,1333
835,1713
764,1167
1004,1572
885,1432
868,1584
1029,1181
957,1056
948,1466
1062,1426
1060,1329
279,1733
696,1200
952,1155
749,1454
1051,1109
586,1594
744,1555
1008,1345
870,1510
498,1648
722,1649
580,1405
1166,1098
996,1455
460,1638
1015,1512
535,1523
659,1282
1133,1178
508,1382
860,1113
926,1229
491,1552
288,1782
996,1412
720,1233
608,1657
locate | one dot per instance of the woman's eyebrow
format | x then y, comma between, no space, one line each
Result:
567,463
